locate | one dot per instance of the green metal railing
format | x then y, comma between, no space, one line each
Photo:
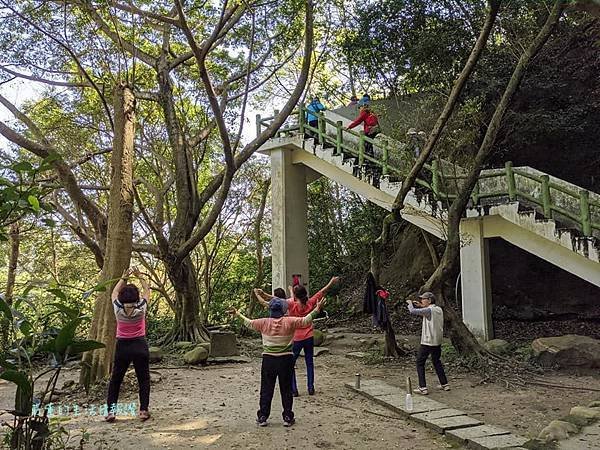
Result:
443,179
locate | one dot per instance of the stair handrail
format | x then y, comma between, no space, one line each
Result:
434,179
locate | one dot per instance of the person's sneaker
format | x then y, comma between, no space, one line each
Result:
262,421
444,387
110,417
144,415
288,422
295,393
311,391
421,391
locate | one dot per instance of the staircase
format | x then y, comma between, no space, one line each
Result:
548,217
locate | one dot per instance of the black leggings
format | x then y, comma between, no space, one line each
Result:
130,350
435,352
274,368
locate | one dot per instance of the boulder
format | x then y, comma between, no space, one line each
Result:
223,343
195,356
585,412
318,337
557,430
156,354
321,351
568,351
497,346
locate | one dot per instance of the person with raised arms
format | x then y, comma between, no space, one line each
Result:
277,361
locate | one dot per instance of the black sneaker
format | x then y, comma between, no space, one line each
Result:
295,393
262,421
311,391
288,422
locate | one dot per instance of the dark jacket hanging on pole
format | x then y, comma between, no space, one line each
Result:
374,304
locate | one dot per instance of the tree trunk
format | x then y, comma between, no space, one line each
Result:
188,324
462,339
461,81
13,260
98,364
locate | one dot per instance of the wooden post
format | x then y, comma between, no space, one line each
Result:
339,139
386,154
546,199
275,114
435,187
510,181
321,127
361,148
301,119
258,125
475,195
584,206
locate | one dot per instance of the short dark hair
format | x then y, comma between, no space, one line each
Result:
129,294
300,293
279,293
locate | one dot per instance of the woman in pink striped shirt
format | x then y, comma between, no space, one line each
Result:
130,312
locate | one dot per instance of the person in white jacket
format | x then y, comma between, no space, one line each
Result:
432,332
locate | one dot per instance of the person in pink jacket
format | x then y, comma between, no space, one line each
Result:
278,361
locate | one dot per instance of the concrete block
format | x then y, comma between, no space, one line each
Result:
223,343
461,435
504,441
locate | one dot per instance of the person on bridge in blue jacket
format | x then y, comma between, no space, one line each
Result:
313,108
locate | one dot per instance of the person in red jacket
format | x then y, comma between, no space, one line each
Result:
371,128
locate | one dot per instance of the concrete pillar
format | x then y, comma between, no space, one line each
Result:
475,279
289,247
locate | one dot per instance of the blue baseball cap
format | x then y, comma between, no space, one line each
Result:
277,307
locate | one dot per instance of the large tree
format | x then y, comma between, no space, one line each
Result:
193,71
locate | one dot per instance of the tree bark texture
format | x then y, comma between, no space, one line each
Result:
98,364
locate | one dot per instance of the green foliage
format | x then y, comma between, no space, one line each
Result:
30,337
340,229
20,193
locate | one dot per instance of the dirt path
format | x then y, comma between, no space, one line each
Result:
216,406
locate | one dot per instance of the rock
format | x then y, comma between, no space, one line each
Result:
156,354
223,343
196,356
594,404
585,412
321,351
497,346
557,430
568,351
318,337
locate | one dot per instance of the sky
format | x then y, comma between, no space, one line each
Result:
17,92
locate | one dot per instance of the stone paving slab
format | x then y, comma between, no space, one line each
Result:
445,424
395,399
461,435
504,441
441,418
440,413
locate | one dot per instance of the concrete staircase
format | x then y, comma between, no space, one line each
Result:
550,232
